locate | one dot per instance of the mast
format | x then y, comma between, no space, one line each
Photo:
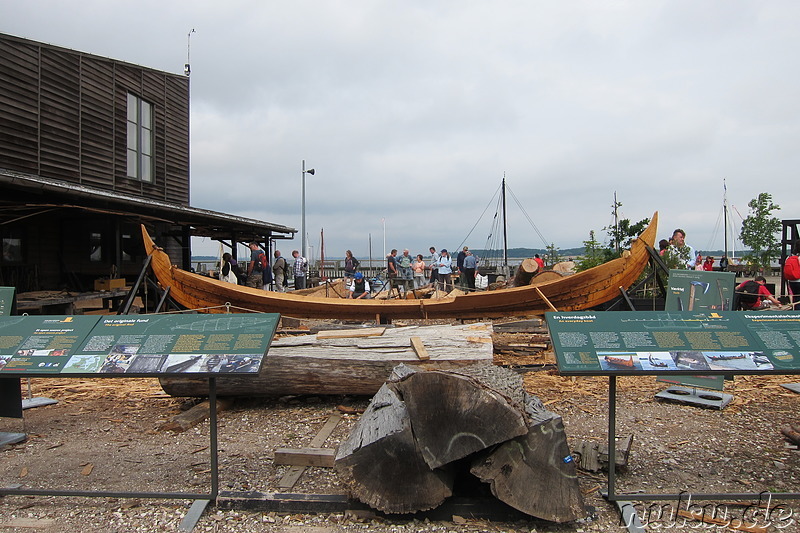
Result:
725,214
505,234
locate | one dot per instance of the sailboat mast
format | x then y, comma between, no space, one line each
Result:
505,234
725,214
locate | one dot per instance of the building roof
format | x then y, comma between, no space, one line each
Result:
26,195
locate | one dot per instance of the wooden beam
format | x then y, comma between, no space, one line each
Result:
294,473
420,349
305,456
543,297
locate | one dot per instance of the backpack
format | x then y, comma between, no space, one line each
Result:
748,293
262,258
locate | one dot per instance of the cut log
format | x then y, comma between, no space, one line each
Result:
535,473
544,276
454,415
565,267
436,423
525,272
306,364
383,465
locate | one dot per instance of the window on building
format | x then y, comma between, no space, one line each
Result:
95,247
140,139
12,250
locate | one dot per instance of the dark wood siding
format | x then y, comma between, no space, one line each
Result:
64,117
19,106
97,123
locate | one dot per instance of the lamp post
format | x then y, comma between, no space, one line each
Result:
303,210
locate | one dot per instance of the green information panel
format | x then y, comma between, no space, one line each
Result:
7,301
676,342
139,345
41,344
697,290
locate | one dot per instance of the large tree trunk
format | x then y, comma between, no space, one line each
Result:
535,473
525,272
383,465
423,424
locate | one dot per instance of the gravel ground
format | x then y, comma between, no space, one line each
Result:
103,435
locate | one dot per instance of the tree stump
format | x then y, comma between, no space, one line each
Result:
424,426
383,465
525,272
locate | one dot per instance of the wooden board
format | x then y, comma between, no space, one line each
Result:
350,333
305,456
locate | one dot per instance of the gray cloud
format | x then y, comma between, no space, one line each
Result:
413,112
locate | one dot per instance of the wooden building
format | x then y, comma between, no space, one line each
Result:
91,147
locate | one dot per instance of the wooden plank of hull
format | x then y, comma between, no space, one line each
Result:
579,291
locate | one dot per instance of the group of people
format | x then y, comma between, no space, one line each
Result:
751,294
439,269
261,274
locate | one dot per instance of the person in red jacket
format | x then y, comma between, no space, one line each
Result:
763,297
708,264
791,272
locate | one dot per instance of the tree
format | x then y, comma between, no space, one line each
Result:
621,236
553,256
759,232
593,254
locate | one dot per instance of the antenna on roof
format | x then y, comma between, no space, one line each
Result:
186,69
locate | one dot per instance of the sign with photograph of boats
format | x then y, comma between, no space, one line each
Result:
138,345
676,342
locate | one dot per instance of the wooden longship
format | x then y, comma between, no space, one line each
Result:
583,290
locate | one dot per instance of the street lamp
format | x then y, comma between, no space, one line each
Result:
303,211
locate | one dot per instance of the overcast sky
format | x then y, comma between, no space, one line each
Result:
413,111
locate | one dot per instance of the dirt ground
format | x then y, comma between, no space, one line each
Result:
103,434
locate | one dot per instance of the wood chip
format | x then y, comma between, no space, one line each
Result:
23,471
87,469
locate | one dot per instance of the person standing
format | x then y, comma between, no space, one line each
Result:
434,266
462,279
404,264
445,266
708,264
255,274
350,264
391,264
279,272
469,269
685,254
300,270
230,269
791,272
539,261
418,266
723,263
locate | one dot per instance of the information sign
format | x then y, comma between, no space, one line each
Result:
675,342
7,301
41,344
698,290
137,344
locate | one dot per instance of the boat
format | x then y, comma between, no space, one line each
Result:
620,361
583,290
